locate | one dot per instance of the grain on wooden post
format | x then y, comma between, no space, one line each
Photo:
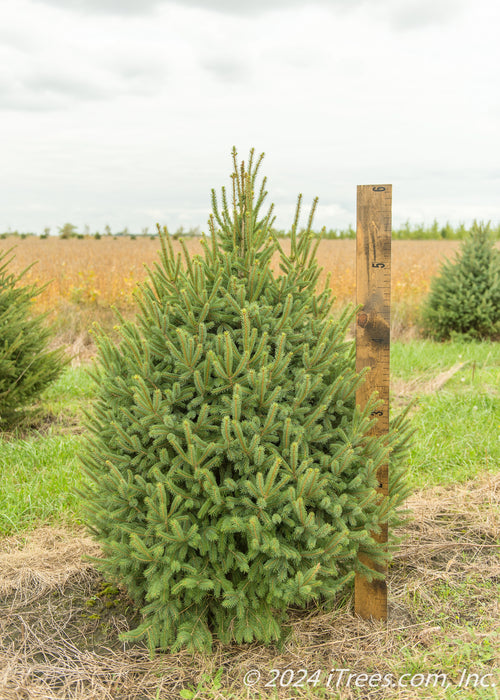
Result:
373,291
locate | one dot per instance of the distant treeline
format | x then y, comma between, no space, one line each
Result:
407,231
412,232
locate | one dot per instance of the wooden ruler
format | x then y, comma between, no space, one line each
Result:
373,341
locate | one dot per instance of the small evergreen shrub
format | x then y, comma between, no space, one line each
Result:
230,474
464,299
27,366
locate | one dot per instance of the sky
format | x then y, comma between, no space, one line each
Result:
124,112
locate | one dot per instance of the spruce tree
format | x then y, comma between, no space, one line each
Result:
464,299
27,365
230,473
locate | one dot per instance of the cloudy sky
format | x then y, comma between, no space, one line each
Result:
124,112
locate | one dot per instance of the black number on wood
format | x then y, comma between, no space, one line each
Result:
378,189
378,264
377,413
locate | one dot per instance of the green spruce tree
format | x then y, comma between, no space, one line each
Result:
27,365
464,299
230,474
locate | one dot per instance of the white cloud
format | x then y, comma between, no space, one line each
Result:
59,60
114,117
225,67
402,14
418,14
113,7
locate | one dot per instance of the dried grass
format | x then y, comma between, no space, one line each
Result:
53,648
89,276
105,272
43,561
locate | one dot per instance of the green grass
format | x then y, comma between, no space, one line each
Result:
458,426
457,431
39,475
428,358
457,437
71,392
40,468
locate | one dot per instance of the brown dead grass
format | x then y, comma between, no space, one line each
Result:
59,623
105,272
87,277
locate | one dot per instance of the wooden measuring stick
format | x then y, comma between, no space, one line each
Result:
373,291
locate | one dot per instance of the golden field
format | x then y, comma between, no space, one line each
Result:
87,276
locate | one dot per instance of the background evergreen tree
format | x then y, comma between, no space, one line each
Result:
230,473
27,366
465,297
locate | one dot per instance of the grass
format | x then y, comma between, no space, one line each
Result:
457,419
457,437
72,392
423,357
60,621
39,475
39,466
